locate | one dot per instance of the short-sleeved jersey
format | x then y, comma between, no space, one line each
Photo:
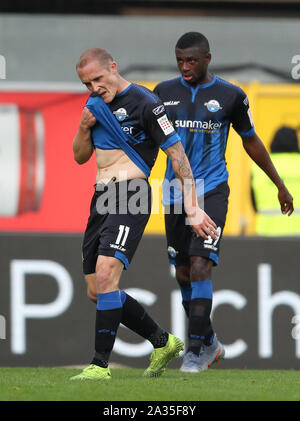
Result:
134,121
202,116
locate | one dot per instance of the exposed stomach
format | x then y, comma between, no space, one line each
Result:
114,163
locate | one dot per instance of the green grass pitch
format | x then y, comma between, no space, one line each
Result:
53,384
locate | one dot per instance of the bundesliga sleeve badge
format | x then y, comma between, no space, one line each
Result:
165,125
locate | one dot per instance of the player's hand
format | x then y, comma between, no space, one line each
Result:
88,120
202,224
285,200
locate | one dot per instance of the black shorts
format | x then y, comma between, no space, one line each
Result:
181,239
119,213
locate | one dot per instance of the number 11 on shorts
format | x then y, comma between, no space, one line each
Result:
122,235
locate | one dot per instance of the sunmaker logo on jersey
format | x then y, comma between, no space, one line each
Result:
197,124
121,114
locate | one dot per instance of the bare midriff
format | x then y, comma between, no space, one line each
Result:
115,164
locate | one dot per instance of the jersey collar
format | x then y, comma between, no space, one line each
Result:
196,89
125,91
205,85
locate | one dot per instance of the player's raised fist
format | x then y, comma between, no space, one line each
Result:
87,119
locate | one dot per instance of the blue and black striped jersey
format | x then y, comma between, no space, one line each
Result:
134,121
202,116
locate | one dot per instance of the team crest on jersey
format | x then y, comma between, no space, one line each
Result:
213,106
121,114
172,252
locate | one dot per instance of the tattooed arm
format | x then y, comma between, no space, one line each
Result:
199,220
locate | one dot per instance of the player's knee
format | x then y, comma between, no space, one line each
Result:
200,268
106,275
103,277
183,276
91,291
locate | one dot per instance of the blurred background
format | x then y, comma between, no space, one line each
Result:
46,318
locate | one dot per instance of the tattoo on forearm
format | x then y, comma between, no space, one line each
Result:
182,167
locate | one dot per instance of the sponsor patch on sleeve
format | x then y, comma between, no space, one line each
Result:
165,125
158,110
250,117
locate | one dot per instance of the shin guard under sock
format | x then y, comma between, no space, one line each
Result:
108,318
138,320
186,294
199,317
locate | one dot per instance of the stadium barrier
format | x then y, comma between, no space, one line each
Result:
47,320
54,185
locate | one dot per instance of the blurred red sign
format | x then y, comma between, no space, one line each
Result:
42,188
